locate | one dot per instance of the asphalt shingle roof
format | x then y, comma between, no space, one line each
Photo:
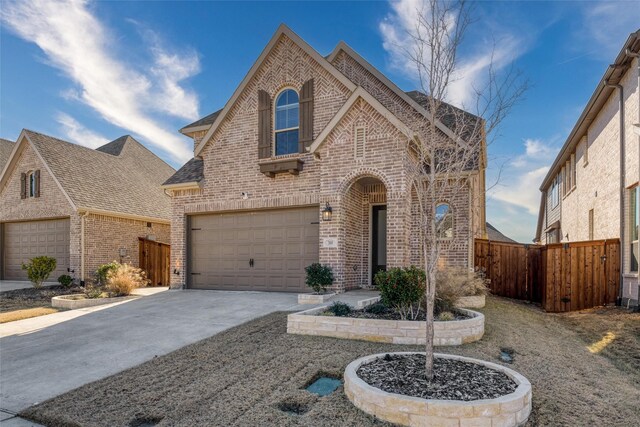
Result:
495,235
206,120
127,182
6,147
192,171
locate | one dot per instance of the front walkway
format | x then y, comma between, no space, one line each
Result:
42,360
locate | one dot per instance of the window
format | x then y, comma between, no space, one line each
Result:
555,193
634,221
591,224
286,122
32,184
585,157
444,221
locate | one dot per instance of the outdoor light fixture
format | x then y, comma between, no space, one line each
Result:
327,212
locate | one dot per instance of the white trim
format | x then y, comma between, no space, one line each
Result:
342,46
186,131
366,96
123,215
282,30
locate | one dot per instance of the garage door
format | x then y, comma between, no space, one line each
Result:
25,240
257,251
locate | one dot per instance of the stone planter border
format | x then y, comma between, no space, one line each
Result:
475,301
455,332
314,298
510,410
63,301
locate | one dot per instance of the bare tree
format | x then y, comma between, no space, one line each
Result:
447,162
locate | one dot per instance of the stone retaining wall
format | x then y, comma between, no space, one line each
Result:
65,301
455,332
509,410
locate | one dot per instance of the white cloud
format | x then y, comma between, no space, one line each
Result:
523,191
123,93
398,30
607,24
76,132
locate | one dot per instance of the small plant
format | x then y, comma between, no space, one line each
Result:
65,281
454,283
377,308
402,289
340,309
93,291
39,269
446,316
319,277
103,271
124,278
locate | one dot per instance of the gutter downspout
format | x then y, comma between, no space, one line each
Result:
628,52
82,217
622,177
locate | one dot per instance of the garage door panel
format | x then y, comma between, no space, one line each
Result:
25,240
280,242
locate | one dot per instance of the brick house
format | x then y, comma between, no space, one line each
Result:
84,207
307,162
591,191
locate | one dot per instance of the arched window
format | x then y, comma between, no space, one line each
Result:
31,180
444,221
286,122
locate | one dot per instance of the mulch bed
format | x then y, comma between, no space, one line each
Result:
452,379
394,315
20,299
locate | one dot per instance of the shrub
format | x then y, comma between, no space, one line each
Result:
65,280
319,277
103,271
402,289
340,309
454,283
124,278
92,291
39,269
377,308
446,316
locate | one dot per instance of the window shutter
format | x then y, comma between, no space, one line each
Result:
36,192
306,116
23,185
359,140
264,125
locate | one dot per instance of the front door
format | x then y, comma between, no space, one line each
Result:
378,240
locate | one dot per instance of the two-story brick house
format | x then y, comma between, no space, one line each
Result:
591,191
307,162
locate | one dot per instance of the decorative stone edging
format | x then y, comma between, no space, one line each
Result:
64,301
475,301
314,298
454,332
510,410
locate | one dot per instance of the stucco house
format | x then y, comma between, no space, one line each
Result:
591,190
308,162
84,207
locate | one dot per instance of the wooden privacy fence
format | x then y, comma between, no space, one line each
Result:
155,260
562,277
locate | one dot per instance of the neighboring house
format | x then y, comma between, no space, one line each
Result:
82,206
591,191
494,235
307,162
6,147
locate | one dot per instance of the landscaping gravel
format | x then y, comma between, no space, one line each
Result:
452,379
394,315
20,299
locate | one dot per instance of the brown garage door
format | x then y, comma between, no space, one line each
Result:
257,251
25,240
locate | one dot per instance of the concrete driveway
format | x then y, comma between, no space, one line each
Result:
42,363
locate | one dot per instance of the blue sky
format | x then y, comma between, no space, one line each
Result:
89,72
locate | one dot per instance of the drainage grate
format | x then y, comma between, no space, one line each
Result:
324,386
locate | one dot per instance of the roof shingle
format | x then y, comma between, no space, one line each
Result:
6,147
192,171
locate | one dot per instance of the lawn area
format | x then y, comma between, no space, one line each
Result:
30,302
241,377
27,313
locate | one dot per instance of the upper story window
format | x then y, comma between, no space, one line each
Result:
32,184
444,221
634,222
286,122
555,192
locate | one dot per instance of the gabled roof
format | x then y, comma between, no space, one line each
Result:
357,94
121,177
6,147
201,124
496,236
191,173
282,30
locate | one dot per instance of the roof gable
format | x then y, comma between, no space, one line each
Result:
6,147
282,30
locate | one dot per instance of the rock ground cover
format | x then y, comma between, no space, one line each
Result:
248,375
20,299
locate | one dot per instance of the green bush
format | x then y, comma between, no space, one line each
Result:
65,280
92,291
39,269
103,271
340,309
377,308
402,289
319,277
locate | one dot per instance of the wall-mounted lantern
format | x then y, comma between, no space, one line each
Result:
327,212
